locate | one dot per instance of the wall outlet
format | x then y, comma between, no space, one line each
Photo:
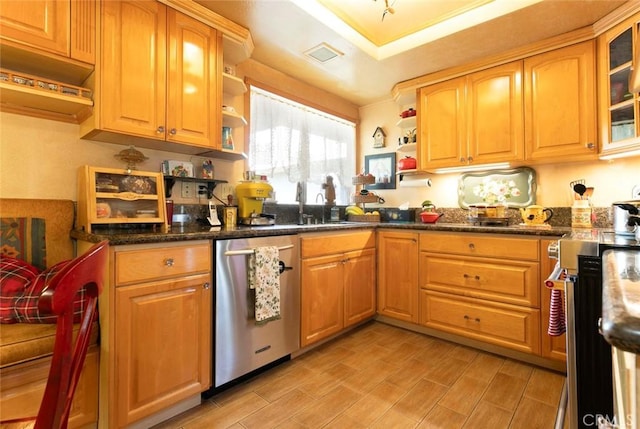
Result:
188,190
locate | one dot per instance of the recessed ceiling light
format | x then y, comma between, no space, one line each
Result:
323,53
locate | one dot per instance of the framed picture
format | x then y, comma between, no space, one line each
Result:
383,167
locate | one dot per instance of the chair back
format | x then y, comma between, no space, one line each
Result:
68,358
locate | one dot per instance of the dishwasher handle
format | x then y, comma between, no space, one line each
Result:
250,251
282,267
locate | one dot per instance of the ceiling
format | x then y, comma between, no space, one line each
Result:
418,38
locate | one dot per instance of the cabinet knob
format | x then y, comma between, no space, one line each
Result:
206,286
168,262
590,146
172,131
160,130
462,159
472,246
470,159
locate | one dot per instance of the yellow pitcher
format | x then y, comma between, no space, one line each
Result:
536,215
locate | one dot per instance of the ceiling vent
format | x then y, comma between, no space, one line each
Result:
323,53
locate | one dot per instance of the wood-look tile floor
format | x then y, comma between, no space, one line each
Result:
380,376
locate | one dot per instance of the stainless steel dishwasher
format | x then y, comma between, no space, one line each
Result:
241,345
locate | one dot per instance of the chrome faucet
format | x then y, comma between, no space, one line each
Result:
323,201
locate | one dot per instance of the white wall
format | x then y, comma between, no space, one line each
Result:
612,180
39,158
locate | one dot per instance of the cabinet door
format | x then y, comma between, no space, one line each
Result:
505,325
552,347
133,67
322,309
398,275
38,24
560,105
194,92
494,115
441,125
162,345
359,286
619,105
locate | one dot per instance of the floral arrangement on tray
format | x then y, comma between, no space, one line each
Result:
493,190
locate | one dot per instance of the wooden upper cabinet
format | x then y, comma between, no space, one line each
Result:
50,38
494,106
61,27
442,125
40,24
193,81
474,119
159,75
132,92
560,105
619,104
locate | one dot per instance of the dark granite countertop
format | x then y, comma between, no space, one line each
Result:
621,299
205,232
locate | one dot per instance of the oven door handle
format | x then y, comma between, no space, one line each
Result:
251,251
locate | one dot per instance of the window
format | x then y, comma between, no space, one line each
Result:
290,142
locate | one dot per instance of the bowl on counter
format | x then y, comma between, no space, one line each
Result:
430,217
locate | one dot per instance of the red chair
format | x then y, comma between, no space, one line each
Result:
85,271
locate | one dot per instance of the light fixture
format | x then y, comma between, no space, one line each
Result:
468,168
323,53
387,9
618,155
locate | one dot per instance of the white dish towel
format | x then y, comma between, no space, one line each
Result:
264,277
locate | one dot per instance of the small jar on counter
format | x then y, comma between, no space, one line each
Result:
581,214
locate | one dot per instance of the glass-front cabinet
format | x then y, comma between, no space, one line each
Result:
110,197
619,104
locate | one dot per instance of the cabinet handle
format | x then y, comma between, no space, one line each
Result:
160,130
206,286
168,262
466,317
469,276
590,146
476,319
172,131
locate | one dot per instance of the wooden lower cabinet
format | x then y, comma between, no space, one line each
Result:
398,275
482,287
505,325
338,283
161,327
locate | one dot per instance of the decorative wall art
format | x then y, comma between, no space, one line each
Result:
514,188
383,167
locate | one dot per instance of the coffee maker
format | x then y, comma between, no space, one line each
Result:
251,196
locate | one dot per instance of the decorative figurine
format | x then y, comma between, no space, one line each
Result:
329,192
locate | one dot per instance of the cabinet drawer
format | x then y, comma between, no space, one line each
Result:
144,264
480,245
513,282
501,324
331,244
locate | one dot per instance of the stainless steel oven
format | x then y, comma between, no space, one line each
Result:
589,392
